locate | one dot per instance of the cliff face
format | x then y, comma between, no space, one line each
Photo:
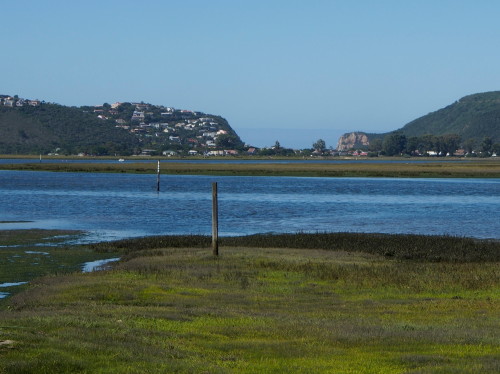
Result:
352,140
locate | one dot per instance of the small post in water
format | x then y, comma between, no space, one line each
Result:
215,221
158,178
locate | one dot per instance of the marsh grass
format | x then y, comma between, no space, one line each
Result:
172,308
399,246
489,168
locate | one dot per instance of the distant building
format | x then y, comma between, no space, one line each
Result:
169,153
137,116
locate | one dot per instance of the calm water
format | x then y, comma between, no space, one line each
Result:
112,206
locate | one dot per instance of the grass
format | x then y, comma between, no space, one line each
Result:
487,168
409,247
168,307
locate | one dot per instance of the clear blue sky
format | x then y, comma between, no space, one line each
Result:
285,70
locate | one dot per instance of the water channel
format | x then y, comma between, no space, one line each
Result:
114,206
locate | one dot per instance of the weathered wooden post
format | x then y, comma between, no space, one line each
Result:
158,178
215,221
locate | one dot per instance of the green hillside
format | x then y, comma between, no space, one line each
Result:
472,123
34,127
472,117
55,128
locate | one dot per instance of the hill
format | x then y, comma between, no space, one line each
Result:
473,118
52,128
37,127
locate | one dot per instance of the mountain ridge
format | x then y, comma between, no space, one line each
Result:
472,117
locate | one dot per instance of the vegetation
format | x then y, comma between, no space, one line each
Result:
319,145
397,144
277,150
484,168
472,117
103,130
471,123
52,128
402,247
170,306
468,123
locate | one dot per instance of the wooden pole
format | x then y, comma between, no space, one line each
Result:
158,178
215,221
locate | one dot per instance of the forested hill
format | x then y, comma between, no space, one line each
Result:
58,129
34,127
472,117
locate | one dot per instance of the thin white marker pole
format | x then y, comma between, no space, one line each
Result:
158,177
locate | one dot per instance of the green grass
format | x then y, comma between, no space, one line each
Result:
255,309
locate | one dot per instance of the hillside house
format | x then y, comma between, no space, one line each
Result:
169,153
147,152
215,153
137,116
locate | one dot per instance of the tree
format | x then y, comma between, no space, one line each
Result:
486,145
226,141
469,145
319,145
412,144
375,145
450,143
496,148
394,144
426,143
277,145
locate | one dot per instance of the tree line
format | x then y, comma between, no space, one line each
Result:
397,144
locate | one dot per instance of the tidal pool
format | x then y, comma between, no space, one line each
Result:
91,266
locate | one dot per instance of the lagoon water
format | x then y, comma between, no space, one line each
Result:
114,206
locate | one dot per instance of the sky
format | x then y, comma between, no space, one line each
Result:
278,70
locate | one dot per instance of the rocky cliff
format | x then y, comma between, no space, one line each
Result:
352,140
